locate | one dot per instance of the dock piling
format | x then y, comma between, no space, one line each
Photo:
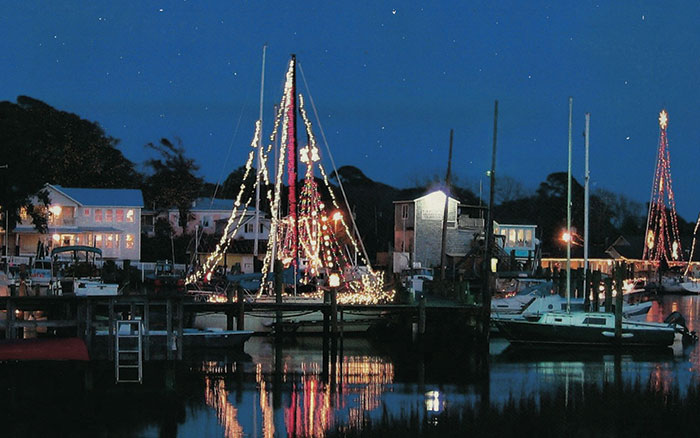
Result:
240,320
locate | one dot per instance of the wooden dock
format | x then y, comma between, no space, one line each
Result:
95,317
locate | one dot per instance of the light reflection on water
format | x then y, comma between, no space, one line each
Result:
365,382
287,390
311,402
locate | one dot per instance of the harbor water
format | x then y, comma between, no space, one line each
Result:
285,389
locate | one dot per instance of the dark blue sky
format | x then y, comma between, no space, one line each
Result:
389,81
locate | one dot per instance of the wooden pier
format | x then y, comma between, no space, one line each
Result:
94,319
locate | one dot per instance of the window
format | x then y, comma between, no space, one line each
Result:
120,215
109,243
130,215
206,221
262,229
597,321
129,241
108,215
23,214
249,228
86,212
404,211
98,239
98,215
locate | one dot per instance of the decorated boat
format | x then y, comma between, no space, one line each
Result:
314,239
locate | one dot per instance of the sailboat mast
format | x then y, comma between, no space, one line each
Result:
259,158
292,166
568,213
586,207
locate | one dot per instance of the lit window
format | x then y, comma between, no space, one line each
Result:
23,214
98,215
130,215
129,241
86,212
108,215
109,243
98,238
120,215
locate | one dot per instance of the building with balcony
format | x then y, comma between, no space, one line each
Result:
418,229
109,219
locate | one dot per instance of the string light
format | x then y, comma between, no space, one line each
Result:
662,235
309,235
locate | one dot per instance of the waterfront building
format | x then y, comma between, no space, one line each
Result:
109,219
209,216
418,229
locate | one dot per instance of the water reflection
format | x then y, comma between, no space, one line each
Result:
216,396
291,390
298,400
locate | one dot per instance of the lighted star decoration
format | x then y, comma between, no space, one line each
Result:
663,119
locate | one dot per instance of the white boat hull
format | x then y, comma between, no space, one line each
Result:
293,322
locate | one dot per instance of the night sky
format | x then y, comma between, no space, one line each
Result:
389,81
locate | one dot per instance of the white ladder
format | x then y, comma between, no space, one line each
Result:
128,361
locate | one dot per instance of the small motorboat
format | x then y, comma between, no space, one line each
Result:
690,286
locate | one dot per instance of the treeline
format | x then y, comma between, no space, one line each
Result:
42,144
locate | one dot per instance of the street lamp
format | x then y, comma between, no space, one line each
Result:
334,280
336,217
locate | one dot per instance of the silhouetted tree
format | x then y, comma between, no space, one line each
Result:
173,181
41,144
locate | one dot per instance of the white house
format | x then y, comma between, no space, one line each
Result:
211,215
109,219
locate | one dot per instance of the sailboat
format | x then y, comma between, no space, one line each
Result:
312,241
581,328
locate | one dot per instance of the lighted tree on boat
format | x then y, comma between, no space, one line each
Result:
662,239
313,239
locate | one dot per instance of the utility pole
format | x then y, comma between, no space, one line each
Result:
489,243
443,255
586,206
568,213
